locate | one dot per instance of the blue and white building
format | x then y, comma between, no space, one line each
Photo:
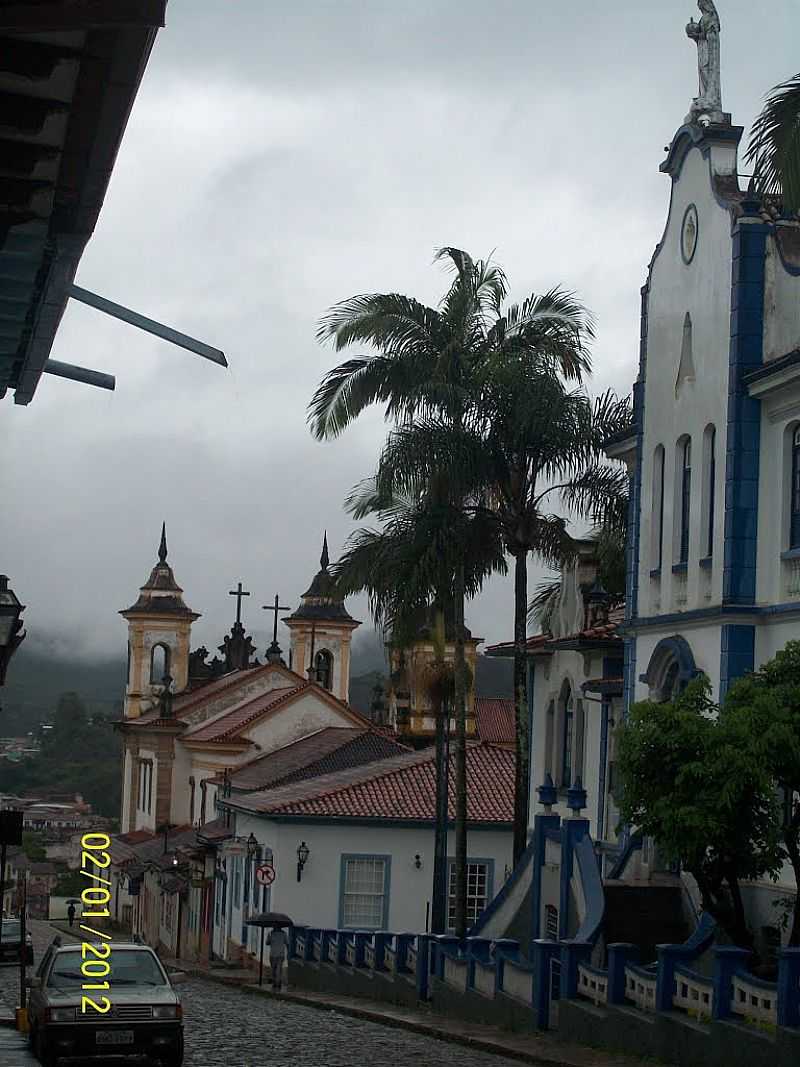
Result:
714,536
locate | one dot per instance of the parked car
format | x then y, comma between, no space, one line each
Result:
145,1018
10,942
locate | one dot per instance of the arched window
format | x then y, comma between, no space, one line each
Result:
794,526
710,458
323,668
159,664
685,497
567,737
671,668
657,538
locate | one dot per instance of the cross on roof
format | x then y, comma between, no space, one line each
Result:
276,607
238,593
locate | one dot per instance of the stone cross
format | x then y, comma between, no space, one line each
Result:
238,593
276,607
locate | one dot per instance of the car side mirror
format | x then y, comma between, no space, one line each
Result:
178,977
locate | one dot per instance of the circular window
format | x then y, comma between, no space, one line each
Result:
689,232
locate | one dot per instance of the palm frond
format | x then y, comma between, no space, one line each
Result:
774,148
544,602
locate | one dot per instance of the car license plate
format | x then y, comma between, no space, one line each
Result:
114,1037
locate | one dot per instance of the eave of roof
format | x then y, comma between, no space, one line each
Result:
41,250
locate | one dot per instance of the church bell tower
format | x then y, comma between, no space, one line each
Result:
159,633
321,630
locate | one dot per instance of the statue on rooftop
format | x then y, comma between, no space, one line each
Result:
705,33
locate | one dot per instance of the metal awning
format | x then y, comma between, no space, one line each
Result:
69,73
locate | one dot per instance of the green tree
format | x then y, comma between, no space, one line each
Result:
762,714
688,782
774,149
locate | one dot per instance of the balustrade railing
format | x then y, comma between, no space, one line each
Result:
592,983
754,999
640,987
693,993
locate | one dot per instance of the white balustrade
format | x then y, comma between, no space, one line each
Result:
693,993
517,982
485,979
350,953
390,959
332,950
592,984
754,1000
369,955
411,958
455,973
640,987
300,947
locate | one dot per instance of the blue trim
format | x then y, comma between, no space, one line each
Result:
695,615
387,882
592,890
655,572
744,413
633,844
737,654
707,562
791,553
545,827
680,568
678,648
572,830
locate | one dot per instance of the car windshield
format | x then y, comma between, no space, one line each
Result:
130,967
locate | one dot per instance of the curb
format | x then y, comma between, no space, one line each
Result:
481,1044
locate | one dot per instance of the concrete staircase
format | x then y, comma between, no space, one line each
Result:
645,914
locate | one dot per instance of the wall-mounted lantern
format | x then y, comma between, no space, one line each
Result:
302,858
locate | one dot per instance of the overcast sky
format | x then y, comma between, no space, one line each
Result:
279,158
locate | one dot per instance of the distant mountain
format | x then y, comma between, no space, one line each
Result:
38,676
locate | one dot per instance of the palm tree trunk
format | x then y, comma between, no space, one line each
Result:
522,724
439,908
459,665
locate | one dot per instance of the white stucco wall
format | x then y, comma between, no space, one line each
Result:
315,900
703,289
781,304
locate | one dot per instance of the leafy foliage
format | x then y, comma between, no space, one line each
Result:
689,782
774,147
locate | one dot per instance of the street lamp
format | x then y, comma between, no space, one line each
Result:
302,857
10,625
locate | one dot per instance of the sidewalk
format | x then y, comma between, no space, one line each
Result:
540,1049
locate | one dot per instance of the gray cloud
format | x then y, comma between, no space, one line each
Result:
281,157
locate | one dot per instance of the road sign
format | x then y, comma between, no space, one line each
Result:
265,874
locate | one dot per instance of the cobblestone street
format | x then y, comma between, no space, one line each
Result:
228,1028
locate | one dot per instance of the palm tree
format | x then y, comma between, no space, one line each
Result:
525,438
407,567
434,369
774,147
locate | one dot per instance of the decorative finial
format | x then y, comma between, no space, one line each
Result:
324,559
162,548
548,795
576,798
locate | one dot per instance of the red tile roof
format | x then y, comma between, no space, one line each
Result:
494,720
402,788
331,749
606,631
228,727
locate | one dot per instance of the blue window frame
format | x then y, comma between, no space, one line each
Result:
364,887
794,530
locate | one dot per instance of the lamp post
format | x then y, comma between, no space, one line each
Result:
11,632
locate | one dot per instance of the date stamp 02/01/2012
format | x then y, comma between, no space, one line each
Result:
95,898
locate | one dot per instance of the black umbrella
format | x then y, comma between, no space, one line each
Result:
263,920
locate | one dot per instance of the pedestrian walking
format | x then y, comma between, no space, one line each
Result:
71,914
278,942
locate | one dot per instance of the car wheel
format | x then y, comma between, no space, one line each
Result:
175,1058
43,1053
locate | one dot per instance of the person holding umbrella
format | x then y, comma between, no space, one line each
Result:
278,942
